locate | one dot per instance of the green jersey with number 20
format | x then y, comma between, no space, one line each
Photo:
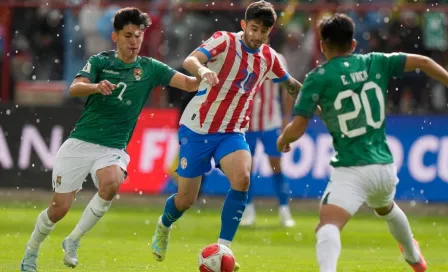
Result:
109,120
351,91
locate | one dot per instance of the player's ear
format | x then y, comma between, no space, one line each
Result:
353,48
243,24
114,36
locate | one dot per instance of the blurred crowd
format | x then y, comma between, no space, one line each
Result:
52,44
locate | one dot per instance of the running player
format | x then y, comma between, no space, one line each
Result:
268,118
117,85
351,92
214,122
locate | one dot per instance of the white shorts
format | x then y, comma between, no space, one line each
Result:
76,159
351,187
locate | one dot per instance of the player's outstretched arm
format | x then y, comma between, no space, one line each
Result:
184,82
291,86
293,131
194,65
81,86
288,104
428,66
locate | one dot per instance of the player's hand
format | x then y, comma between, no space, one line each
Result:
105,87
208,76
282,147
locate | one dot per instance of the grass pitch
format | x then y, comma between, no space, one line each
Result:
121,241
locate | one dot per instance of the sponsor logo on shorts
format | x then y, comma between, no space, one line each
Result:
183,163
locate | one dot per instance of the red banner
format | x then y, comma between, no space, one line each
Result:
152,149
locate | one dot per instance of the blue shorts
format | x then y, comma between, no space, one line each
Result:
197,150
268,138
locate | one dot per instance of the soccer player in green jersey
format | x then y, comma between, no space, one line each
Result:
117,85
351,91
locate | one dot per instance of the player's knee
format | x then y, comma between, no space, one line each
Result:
241,181
184,201
108,188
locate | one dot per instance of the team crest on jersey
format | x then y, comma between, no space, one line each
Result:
263,66
138,73
183,163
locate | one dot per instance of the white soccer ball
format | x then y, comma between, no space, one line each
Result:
216,258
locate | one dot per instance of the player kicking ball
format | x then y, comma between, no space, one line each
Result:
214,122
117,85
268,117
351,92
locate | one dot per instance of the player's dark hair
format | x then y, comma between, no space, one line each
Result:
337,32
261,11
130,15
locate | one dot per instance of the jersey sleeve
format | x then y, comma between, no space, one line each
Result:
309,95
278,72
162,73
214,46
91,69
394,63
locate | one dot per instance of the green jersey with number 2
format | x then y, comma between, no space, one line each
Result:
351,91
109,120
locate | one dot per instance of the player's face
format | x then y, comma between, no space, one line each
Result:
255,33
129,40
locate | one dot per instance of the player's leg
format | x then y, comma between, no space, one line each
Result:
341,200
70,169
235,161
195,160
249,215
108,172
281,184
382,200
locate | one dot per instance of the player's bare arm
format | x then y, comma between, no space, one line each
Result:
81,86
194,65
291,86
288,104
183,82
428,66
293,131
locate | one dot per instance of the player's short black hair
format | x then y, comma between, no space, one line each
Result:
261,11
130,15
337,32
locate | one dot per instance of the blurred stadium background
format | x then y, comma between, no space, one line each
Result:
43,44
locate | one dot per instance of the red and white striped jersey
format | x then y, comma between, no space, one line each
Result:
267,110
226,107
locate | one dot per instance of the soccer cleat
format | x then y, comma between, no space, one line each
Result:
421,265
29,262
160,241
285,216
236,267
248,218
70,248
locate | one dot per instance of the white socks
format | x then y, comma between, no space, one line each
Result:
42,228
96,208
328,247
399,228
224,242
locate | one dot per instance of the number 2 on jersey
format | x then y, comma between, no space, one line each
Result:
120,96
359,103
249,80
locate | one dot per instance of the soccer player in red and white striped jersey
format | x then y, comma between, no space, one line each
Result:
267,119
232,67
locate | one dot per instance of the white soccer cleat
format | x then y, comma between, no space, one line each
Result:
70,248
160,240
29,261
248,218
285,216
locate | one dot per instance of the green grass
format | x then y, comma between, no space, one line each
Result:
120,242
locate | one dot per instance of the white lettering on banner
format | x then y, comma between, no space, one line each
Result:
396,148
324,152
443,159
5,155
300,168
152,149
31,138
417,168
